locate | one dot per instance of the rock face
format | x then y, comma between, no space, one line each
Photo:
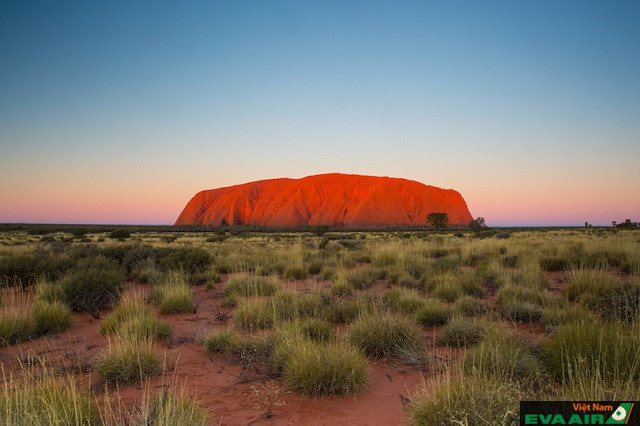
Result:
329,199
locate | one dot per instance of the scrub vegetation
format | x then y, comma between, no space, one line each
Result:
97,328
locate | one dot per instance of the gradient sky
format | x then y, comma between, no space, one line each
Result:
119,112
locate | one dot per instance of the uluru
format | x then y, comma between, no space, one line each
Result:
332,199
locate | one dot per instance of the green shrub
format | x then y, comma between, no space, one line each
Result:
185,259
128,362
26,268
295,273
119,234
15,328
92,290
50,317
470,400
461,332
386,335
315,369
434,312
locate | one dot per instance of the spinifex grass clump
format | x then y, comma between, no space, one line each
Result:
360,278
248,286
434,312
403,300
134,320
38,397
383,334
295,273
254,314
348,310
604,294
50,317
170,408
445,287
314,368
15,327
603,359
128,361
231,342
471,307
503,356
461,332
173,296
469,400
520,303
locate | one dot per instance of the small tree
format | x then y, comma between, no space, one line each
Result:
478,224
439,220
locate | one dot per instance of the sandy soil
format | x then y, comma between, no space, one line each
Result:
223,384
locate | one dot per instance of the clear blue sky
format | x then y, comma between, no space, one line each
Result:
118,112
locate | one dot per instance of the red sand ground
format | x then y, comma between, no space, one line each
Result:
223,384
329,199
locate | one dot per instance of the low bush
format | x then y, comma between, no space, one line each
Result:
50,317
92,290
434,312
386,335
